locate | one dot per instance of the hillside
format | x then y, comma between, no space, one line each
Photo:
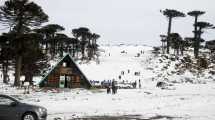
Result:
117,59
186,95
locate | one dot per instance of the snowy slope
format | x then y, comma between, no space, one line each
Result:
181,101
110,67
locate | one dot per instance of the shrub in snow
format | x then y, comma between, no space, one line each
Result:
173,58
156,50
161,84
187,79
212,72
160,60
202,63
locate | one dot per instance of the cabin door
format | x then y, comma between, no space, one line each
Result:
67,81
62,81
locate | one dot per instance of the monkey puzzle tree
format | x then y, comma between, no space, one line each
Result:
95,37
200,27
21,15
84,35
49,32
76,33
33,56
74,43
176,42
163,41
62,44
196,15
85,40
170,14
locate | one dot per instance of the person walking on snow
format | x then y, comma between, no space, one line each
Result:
113,88
139,83
108,89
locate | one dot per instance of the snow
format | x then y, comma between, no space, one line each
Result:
110,67
181,101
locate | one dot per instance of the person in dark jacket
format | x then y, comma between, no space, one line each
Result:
113,88
108,90
139,83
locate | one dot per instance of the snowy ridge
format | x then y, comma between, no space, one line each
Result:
173,69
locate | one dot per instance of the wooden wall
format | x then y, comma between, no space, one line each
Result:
54,77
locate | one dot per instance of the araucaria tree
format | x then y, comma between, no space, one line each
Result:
21,16
49,32
34,61
93,47
196,42
85,37
87,41
163,40
200,27
171,14
177,43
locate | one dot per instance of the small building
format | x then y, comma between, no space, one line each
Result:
65,74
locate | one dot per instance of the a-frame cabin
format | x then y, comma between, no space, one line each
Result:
65,74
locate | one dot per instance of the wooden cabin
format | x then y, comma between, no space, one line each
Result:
65,74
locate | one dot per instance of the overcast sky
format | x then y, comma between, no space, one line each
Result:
127,21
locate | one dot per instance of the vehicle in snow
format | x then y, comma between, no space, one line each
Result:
13,109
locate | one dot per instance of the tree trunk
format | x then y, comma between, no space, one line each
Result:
18,58
195,26
163,47
168,34
18,66
196,48
29,78
94,47
46,48
182,52
197,43
182,49
77,47
73,50
177,51
4,72
196,37
83,51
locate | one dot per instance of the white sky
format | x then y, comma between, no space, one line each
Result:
127,21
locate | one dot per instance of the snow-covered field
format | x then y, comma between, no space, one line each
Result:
180,101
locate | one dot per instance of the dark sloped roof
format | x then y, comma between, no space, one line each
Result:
59,62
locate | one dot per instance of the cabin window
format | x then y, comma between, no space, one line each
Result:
64,64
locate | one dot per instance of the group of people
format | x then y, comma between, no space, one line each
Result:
112,87
134,84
